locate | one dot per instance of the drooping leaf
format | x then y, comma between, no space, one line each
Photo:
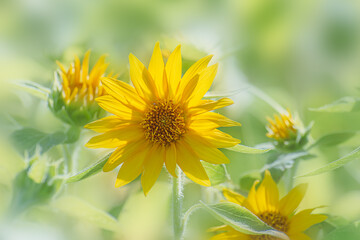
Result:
216,173
333,139
242,219
89,171
279,163
82,210
250,150
33,88
345,104
216,95
27,192
27,139
354,155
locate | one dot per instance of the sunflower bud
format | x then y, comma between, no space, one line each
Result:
287,132
75,89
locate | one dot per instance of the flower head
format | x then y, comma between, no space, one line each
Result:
278,213
282,128
162,119
75,90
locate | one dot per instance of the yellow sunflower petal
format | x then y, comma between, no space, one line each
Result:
124,93
184,95
195,69
303,220
170,159
85,67
251,201
174,68
218,138
204,151
191,165
206,79
152,167
218,119
156,69
124,152
267,194
290,202
113,106
209,105
141,78
114,138
234,197
77,70
108,123
132,168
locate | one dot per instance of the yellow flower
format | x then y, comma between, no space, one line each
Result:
278,213
282,128
162,119
78,85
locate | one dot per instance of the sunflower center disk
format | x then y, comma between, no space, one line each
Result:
164,123
274,220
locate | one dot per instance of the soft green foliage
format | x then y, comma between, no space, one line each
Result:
333,139
27,140
249,150
33,88
354,155
89,171
77,208
241,219
273,55
216,172
346,104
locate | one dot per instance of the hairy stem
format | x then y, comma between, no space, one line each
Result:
178,184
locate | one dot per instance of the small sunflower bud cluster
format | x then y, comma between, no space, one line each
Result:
73,95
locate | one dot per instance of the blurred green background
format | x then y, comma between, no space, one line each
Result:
304,54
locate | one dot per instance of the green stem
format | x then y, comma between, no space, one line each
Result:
178,184
291,174
68,160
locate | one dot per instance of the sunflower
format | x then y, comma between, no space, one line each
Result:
73,96
78,85
162,119
283,127
280,214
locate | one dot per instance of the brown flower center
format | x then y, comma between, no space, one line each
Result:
164,123
275,220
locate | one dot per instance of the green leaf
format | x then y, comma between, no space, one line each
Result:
345,104
73,134
33,88
90,171
82,210
250,150
27,139
216,172
354,155
333,139
351,231
216,95
242,219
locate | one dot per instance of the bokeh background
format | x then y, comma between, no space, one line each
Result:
303,54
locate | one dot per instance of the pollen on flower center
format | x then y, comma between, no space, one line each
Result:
164,123
275,220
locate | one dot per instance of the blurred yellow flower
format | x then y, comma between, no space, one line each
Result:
78,85
281,128
162,119
278,213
